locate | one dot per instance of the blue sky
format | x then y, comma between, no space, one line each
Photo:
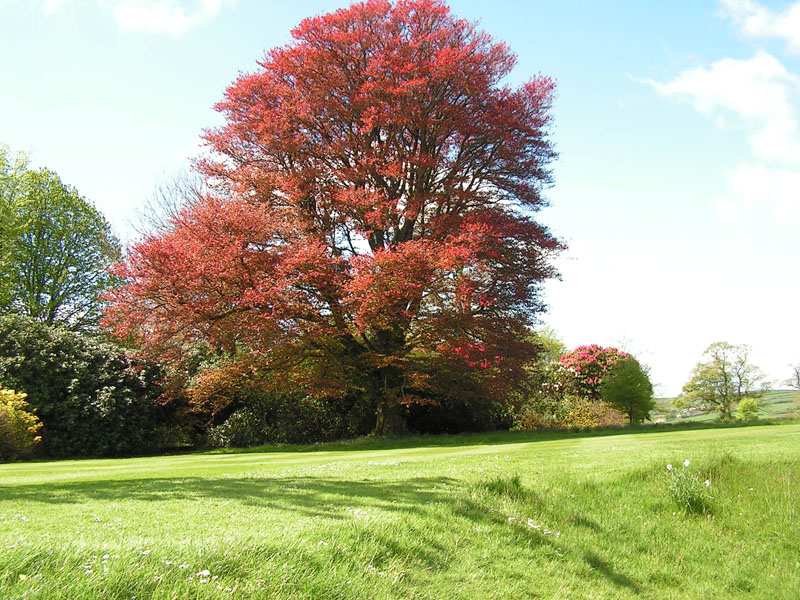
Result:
677,123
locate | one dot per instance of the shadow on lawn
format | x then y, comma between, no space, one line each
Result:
431,498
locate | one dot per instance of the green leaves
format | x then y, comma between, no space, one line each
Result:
627,388
55,247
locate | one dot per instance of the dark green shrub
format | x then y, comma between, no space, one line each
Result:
293,418
92,398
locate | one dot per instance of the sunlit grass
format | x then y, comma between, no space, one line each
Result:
500,516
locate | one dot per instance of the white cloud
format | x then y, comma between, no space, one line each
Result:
760,91
164,16
754,187
758,22
173,17
51,6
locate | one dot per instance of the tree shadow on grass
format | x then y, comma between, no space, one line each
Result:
446,502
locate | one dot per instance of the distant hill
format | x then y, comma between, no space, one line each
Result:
775,404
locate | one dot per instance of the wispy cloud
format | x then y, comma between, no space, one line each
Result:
758,92
761,96
51,6
164,16
758,22
172,17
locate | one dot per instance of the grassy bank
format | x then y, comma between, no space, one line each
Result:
501,516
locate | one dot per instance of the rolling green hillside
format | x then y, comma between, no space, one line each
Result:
775,404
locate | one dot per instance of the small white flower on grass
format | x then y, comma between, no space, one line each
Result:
686,463
203,581
204,573
168,562
547,532
146,552
322,543
88,572
105,557
707,482
183,566
669,467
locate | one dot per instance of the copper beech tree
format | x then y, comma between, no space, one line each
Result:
368,226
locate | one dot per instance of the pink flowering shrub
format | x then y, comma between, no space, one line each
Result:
582,370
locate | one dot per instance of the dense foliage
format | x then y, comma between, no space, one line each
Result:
91,397
627,388
590,386
368,223
55,247
584,369
19,428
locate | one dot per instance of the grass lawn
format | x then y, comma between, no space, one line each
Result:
499,516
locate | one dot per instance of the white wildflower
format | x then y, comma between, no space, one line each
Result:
204,573
669,467
707,482
686,463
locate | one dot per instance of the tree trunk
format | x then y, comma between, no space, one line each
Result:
389,380
390,419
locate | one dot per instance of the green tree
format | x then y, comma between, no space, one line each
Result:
725,377
794,380
747,409
56,247
627,388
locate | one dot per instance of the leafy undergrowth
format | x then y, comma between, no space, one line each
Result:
577,516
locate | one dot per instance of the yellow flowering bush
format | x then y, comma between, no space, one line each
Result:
19,428
570,413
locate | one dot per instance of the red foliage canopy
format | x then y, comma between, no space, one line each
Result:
372,193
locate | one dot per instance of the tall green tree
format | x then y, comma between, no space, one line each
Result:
56,247
627,388
722,379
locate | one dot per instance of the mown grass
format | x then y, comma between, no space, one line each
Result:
499,516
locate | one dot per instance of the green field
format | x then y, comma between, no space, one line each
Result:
502,516
775,404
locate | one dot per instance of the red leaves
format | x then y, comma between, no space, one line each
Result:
373,184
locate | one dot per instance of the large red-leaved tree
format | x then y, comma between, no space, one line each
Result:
369,222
